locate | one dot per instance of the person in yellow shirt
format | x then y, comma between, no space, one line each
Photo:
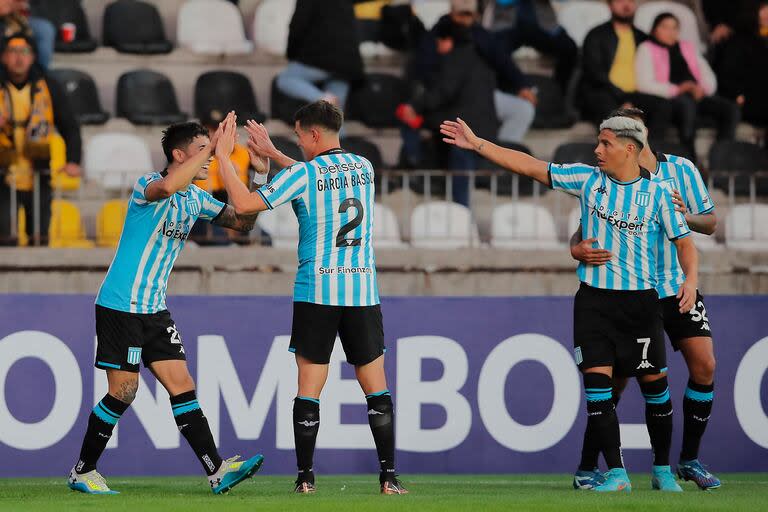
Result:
32,110
608,79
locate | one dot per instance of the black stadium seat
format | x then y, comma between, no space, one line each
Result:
289,148
281,106
741,158
672,148
147,97
365,148
82,94
131,26
59,12
552,111
218,92
375,101
575,152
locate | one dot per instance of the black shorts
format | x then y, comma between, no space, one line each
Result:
315,327
622,329
125,339
681,326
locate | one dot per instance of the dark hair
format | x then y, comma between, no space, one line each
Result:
320,114
632,112
661,17
179,136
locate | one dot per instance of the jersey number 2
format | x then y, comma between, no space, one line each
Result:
341,240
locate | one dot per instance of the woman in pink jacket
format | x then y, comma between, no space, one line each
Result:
675,70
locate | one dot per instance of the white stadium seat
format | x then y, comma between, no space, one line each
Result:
745,227
212,27
689,26
578,17
281,225
523,226
386,230
706,243
429,11
117,160
270,25
443,225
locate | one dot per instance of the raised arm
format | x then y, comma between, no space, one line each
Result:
458,133
245,202
259,142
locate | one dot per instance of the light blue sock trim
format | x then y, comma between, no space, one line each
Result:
308,399
108,410
597,397
104,415
185,409
108,365
659,398
380,393
174,406
692,394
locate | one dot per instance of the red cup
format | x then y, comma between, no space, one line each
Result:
68,32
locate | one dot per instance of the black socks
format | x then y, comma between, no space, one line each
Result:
306,423
101,422
658,418
697,406
602,423
194,427
381,418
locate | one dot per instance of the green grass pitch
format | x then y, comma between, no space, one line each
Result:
359,493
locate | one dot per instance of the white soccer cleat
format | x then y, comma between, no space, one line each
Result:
89,483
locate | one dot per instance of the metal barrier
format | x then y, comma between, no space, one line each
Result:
403,191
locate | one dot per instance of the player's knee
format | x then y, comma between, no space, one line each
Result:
125,391
703,372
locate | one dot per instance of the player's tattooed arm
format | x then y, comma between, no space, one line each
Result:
230,219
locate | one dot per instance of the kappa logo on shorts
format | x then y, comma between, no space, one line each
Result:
644,365
134,355
642,199
577,355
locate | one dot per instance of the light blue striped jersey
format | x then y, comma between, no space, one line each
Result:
626,218
153,236
683,176
332,196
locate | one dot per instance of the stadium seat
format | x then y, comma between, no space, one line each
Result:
109,222
523,226
218,92
365,148
575,152
147,97
131,26
66,229
282,106
741,158
745,227
117,160
578,17
59,179
281,225
689,26
82,93
288,147
671,148
270,25
375,101
59,12
552,111
386,230
212,27
429,11
706,243
443,225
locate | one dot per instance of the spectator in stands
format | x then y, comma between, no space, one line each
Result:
31,108
725,18
608,70
463,84
670,68
323,52
15,18
741,66
533,23
514,99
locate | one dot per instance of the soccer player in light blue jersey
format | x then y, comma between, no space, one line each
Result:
617,317
332,195
690,332
132,322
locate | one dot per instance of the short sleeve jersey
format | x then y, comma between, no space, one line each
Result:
153,235
625,218
333,199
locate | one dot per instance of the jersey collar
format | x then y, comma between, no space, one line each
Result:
644,174
334,151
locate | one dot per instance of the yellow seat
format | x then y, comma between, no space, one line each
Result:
109,222
21,226
59,179
66,226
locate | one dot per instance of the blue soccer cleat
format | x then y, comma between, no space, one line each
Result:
694,470
89,483
616,480
662,479
585,480
232,472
